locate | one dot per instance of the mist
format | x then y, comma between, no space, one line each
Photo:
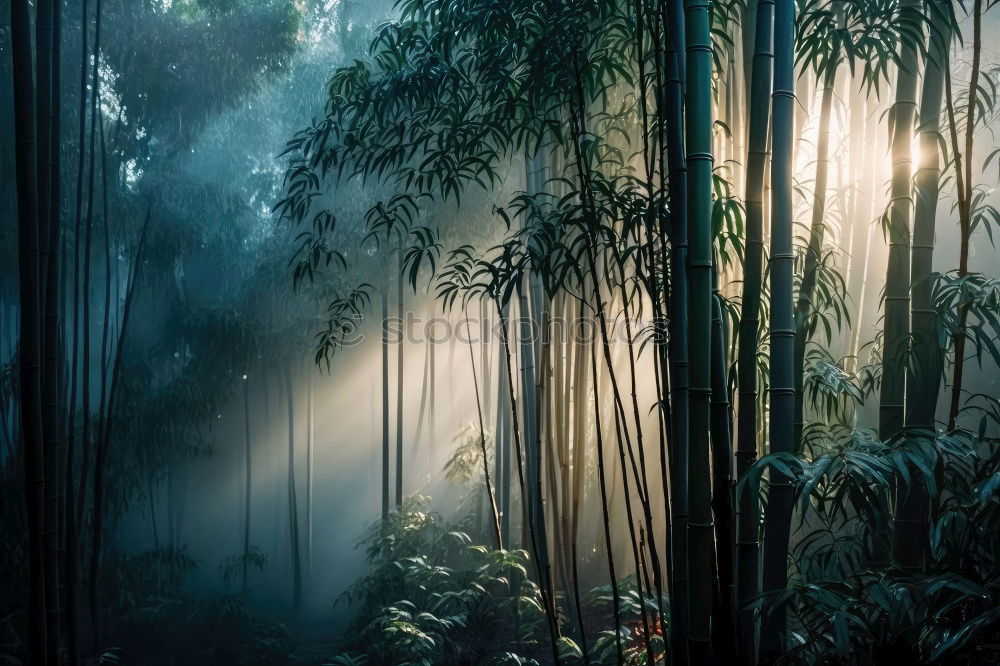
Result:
499,333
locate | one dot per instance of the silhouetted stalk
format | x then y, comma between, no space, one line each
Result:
924,373
385,404
578,131
399,396
293,503
310,468
814,251
72,524
86,436
503,448
723,627
964,186
105,426
247,485
698,100
674,20
49,230
30,326
897,280
422,409
615,594
641,479
748,532
495,523
862,231
531,402
777,521
550,612
58,278
579,389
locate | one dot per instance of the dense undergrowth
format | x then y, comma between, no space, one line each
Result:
433,596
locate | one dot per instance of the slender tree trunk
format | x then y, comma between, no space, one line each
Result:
777,524
503,446
105,425
310,468
814,251
385,404
964,186
399,396
293,500
72,525
30,327
699,159
530,404
533,534
924,372
861,220
579,132
580,407
86,379
247,485
673,17
606,519
495,524
748,543
49,212
723,626
897,279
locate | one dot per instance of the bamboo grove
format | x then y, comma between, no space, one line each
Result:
784,481
736,331
96,246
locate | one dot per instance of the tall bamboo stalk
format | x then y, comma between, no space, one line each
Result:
814,251
495,524
247,485
385,404
963,182
897,278
675,58
399,395
49,217
777,522
924,373
30,326
293,498
534,536
723,626
698,100
72,526
106,426
748,532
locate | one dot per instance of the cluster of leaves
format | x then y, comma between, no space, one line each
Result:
432,597
632,630
846,598
154,612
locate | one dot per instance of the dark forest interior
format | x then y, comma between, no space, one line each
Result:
499,332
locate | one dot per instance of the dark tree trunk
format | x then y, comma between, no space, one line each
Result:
30,327
247,484
678,343
385,404
399,396
777,524
748,541
293,504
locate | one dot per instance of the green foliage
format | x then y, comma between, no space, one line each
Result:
431,597
843,602
632,631
233,566
153,611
